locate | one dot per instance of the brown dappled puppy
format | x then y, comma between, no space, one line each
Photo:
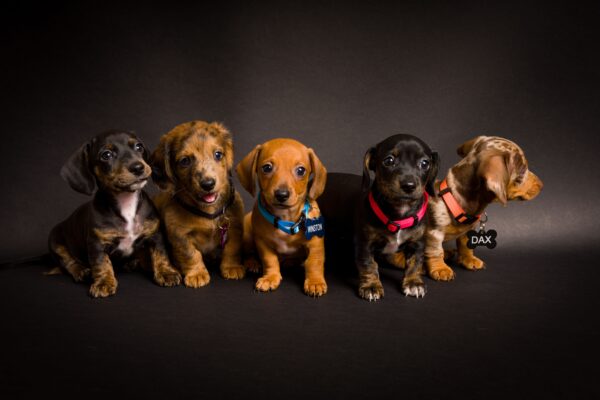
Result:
493,169
201,210
283,168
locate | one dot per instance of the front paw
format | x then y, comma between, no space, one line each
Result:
167,278
81,274
197,279
103,288
471,262
268,282
414,289
372,291
441,272
233,271
315,288
252,264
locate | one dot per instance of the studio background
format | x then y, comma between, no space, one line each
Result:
339,77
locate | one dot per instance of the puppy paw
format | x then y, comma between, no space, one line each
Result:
441,273
471,262
197,279
372,291
103,288
414,289
81,274
233,271
252,265
167,278
266,283
315,288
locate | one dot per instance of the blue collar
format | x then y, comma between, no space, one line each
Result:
289,227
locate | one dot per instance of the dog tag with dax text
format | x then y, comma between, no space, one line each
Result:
482,238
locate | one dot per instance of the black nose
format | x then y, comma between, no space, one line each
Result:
408,186
207,184
282,195
137,168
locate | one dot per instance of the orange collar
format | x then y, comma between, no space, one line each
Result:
455,209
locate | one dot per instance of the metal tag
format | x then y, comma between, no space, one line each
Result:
481,238
314,227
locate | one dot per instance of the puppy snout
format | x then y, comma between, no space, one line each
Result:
408,186
207,184
282,195
137,168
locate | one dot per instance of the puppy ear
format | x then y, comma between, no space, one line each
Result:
432,175
160,161
466,147
317,184
77,171
246,170
495,174
368,165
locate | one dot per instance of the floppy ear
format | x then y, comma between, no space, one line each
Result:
466,147
246,170
495,174
433,171
78,173
317,184
368,166
160,161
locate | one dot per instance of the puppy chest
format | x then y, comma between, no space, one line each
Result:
394,241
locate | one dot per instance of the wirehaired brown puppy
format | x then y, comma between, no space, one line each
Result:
119,224
285,221
492,169
201,210
389,220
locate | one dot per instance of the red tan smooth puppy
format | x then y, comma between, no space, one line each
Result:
492,169
283,169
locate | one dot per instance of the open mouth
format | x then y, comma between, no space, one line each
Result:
210,197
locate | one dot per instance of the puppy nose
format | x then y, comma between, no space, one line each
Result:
408,186
207,184
137,168
282,195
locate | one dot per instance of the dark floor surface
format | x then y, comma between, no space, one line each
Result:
526,326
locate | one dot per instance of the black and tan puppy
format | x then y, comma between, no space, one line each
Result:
119,224
389,220
202,211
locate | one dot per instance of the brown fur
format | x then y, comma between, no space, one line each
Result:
195,239
492,169
271,244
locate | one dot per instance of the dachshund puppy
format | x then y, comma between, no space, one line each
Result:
389,220
201,209
285,222
119,224
492,169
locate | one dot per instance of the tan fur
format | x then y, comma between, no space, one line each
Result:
195,239
260,236
502,167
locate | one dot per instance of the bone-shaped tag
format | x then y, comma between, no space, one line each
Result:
314,227
481,239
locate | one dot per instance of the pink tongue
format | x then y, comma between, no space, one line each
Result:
209,198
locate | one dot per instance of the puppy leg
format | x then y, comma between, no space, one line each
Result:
104,281
231,262
466,258
251,263
434,257
190,260
59,251
369,286
314,268
162,270
271,272
412,284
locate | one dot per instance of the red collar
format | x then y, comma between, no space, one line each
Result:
405,223
456,210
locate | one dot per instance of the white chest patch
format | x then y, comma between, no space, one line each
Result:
394,241
128,203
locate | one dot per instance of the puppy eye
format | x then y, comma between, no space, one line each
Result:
184,162
300,171
219,155
106,155
389,161
424,164
138,147
267,168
